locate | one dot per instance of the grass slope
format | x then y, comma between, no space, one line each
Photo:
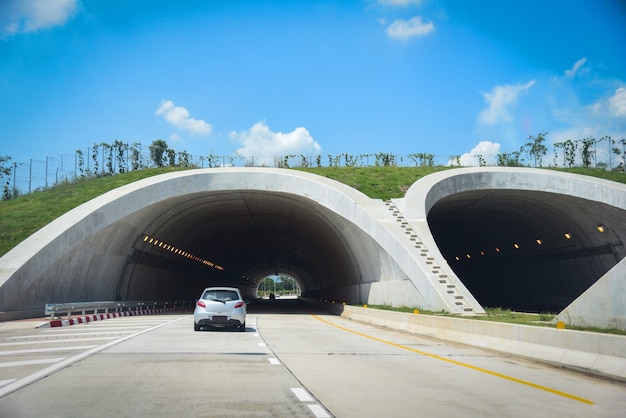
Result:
21,217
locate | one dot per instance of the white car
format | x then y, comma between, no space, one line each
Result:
220,307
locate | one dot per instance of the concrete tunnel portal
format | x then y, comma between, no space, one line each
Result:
250,234
528,251
517,238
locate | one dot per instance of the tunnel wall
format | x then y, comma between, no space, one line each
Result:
81,255
604,304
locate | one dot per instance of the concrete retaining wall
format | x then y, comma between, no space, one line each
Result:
596,353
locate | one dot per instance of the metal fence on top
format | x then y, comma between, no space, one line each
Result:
39,174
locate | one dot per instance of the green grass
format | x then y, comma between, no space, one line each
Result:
21,217
503,315
376,182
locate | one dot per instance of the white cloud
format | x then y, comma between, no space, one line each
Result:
617,103
264,145
405,29
21,16
498,100
487,150
576,68
179,117
398,2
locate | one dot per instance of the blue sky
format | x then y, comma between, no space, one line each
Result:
268,78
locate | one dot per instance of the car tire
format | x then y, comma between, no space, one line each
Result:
242,327
196,327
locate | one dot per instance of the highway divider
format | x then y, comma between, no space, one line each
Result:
590,352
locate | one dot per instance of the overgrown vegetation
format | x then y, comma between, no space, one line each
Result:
502,315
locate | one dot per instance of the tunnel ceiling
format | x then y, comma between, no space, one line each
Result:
526,250
251,234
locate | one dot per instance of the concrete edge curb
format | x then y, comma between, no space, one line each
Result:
594,353
100,317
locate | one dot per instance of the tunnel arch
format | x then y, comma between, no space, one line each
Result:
250,234
168,236
486,223
246,220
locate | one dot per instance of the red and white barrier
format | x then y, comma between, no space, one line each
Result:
100,317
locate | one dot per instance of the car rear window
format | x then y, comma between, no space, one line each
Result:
220,295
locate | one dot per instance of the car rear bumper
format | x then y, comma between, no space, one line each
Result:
219,320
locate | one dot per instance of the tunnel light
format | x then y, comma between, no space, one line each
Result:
516,246
568,235
468,256
482,253
497,249
539,242
601,228
170,248
457,258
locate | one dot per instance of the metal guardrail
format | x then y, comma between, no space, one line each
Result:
57,309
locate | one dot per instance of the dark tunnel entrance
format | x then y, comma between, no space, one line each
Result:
527,251
236,238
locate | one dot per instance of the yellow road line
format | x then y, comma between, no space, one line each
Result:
458,363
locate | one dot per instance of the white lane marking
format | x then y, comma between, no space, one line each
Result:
62,363
6,382
98,327
22,337
46,350
31,362
256,334
318,411
302,395
262,345
55,341
274,361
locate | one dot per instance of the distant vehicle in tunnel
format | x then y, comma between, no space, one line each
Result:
220,307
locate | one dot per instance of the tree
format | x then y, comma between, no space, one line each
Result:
569,152
120,149
94,156
80,158
6,168
506,159
135,156
617,152
586,152
423,159
536,149
158,150
171,157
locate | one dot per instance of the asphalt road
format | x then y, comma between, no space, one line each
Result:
292,361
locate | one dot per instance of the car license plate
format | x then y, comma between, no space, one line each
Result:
219,319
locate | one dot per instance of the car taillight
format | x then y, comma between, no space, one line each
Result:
201,304
239,305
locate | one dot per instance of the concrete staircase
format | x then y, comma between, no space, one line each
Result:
442,277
